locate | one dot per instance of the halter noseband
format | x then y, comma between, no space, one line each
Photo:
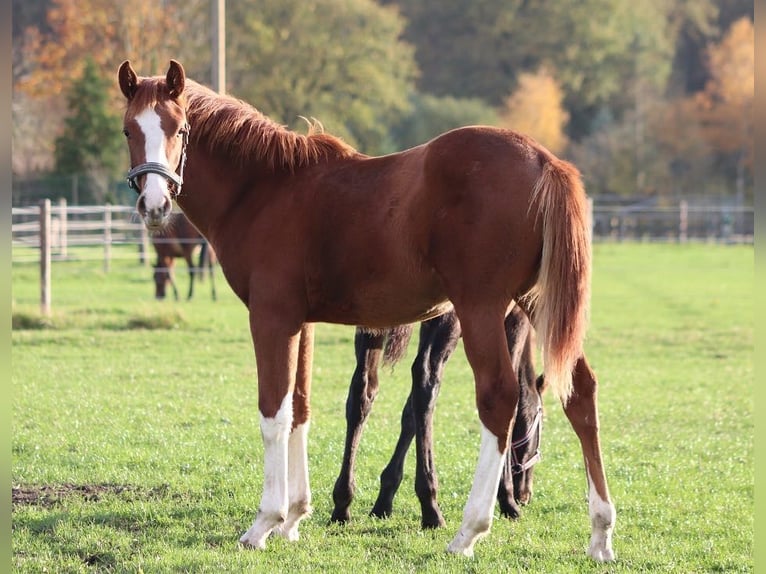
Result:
516,467
161,169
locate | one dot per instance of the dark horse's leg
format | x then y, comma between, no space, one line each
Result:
206,259
168,263
361,394
438,339
192,269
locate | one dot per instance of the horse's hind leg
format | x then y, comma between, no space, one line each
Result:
392,474
438,339
582,412
497,394
361,394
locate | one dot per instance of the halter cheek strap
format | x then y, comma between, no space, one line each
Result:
162,169
516,466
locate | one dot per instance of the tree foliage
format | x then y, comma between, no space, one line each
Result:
431,115
650,96
536,108
100,30
340,61
90,144
726,106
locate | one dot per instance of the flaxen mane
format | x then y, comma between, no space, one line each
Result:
234,129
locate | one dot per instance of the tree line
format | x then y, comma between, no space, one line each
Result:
649,98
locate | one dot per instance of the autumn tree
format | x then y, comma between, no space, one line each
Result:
75,31
340,61
536,109
726,105
90,144
431,115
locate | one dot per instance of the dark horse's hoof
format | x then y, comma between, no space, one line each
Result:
509,508
340,516
432,518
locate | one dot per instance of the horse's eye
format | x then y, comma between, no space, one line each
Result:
126,133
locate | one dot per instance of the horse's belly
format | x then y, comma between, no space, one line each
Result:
382,302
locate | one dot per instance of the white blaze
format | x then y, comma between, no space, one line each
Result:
156,186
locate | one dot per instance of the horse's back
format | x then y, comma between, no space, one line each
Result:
412,227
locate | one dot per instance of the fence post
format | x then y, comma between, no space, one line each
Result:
683,221
107,237
45,257
63,228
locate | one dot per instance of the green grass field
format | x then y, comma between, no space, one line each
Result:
136,445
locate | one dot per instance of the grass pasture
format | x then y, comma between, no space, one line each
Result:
136,446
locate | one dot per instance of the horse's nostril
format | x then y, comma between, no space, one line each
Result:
141,205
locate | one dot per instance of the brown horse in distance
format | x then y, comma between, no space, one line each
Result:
180,239
307,230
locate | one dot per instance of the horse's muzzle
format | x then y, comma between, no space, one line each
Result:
156,217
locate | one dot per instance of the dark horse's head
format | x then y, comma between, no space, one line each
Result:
524,450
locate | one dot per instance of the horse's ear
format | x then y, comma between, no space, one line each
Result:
128,80
175,79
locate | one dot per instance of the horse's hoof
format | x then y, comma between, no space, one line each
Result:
601,554
432,522
462,545
380,512
340,516
509,510
252,543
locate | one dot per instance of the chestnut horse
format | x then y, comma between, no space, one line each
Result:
179,238
307,229
438,339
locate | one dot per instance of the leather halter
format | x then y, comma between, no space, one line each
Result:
516,467
161,169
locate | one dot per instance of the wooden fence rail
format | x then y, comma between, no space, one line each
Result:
54,229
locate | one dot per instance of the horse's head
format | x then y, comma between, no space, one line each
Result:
525,441
527,428
157,133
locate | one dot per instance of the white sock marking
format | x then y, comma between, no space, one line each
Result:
602,519
274,503
477,515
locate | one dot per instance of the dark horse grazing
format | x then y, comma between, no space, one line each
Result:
179,238
438,339
307,229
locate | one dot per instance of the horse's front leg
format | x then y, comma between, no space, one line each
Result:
497,394
361,394
299,492
276,353
582,411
